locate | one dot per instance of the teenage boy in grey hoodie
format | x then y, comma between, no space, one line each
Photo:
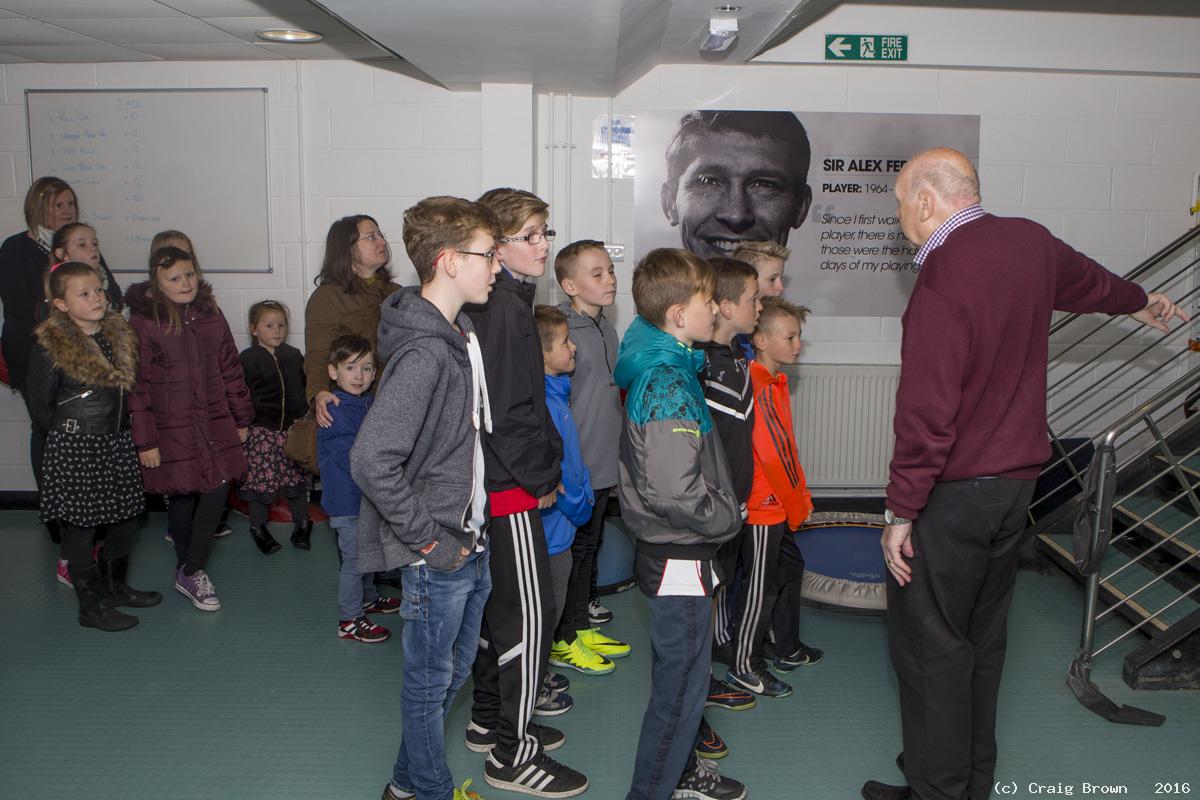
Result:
418,459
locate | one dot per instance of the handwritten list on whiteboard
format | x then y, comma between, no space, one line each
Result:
142,161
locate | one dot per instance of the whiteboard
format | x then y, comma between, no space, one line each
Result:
141,161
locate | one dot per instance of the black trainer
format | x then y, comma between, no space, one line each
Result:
722,695
705,783
711,745
540,776
597,614
803,657
482,740
759,681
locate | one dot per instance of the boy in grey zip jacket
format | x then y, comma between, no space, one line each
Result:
678,499
418,460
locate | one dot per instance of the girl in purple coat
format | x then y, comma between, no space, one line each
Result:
191,410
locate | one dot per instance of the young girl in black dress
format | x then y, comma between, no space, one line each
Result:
84,363
275,374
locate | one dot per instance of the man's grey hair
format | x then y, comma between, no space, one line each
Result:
946,180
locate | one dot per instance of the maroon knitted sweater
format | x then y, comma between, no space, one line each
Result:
972,396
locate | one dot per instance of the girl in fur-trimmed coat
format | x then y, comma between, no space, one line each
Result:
81,369
191,410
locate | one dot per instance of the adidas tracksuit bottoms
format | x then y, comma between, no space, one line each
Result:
515,637
769,594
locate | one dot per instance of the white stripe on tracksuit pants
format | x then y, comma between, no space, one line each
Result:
757,594
515,637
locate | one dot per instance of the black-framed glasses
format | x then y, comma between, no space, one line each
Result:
533,238
490,255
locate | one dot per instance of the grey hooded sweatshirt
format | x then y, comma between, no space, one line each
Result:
595,398
414,457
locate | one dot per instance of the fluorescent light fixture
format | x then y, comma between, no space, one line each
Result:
289,35
722,33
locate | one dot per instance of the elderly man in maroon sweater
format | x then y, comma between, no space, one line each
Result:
970,440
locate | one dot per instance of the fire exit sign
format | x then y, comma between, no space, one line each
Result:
866,47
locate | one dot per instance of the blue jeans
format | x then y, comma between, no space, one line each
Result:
681,639
354,588
442,612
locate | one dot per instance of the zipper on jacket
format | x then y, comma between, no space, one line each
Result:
80,396
603,344
120,407
282,392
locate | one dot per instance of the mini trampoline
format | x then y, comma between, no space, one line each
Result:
844,568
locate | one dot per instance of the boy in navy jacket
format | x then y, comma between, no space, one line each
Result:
352,368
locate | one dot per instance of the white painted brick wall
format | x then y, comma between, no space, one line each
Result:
373,142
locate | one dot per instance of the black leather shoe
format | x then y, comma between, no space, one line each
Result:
874,790
263,540
301,534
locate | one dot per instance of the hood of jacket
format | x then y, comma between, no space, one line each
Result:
644,346
406,317
79,357
139,301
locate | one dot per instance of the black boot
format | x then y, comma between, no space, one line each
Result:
117,592
264,540
92,611
301,534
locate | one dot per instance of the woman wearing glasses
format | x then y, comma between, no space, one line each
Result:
353,284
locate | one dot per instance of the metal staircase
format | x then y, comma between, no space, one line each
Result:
1118,505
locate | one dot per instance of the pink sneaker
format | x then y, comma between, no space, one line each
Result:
64,574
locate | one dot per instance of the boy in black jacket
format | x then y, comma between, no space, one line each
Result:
522,456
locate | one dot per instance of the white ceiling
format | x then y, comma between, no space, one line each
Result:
594,47
172,30
581,46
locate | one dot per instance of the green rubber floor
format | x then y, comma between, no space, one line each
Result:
261,700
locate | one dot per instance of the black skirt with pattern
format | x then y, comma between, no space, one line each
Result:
91,479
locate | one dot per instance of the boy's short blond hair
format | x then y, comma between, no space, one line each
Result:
565,261
666,277
512,207
549,319
437,223
758,252
774,308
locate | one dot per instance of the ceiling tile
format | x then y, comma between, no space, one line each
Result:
77,54
148,31
92,9
235,8
246,27
323,50
32,32
9,58
206,52
8,14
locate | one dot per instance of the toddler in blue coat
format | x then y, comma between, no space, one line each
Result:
575,499
352,367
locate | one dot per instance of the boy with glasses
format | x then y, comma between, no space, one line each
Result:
523,454
418,459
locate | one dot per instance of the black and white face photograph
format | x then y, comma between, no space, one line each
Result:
820,184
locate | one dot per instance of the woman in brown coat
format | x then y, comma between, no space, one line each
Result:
353,284
191,409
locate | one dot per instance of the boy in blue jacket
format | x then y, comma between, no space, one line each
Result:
352,368
677,498
574,504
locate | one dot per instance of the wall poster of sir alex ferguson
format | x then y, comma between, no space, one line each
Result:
820,183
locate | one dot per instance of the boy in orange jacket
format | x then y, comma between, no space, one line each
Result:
779,504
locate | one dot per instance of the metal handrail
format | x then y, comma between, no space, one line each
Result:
1141,269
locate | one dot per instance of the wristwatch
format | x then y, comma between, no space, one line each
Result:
890,518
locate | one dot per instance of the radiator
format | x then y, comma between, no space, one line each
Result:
843,419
